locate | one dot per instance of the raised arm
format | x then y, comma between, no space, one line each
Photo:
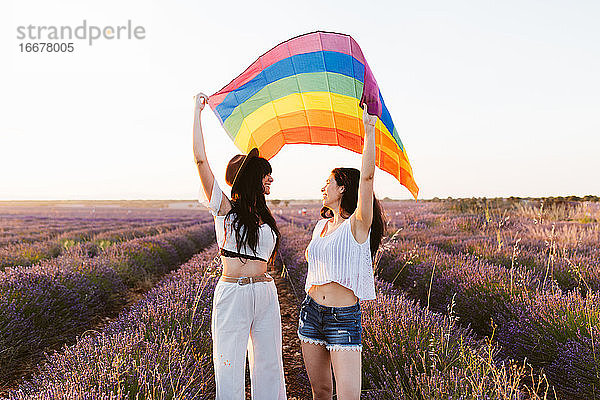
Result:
206,175
363,216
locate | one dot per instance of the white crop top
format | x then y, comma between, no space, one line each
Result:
225,232
338,257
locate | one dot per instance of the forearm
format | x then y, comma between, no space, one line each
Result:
367,170
199,150
206,175
364,209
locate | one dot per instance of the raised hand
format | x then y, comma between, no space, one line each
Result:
200,101
368,119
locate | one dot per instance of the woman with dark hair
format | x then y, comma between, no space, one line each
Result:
245,316
340,273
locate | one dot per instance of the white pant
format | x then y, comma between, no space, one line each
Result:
247,317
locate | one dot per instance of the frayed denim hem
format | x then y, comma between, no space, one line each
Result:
336,347
306,339
330,347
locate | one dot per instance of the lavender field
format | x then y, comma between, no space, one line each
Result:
480,299
78,267
477,299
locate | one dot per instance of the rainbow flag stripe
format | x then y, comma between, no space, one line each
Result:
309,90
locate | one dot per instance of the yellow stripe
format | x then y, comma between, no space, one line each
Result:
294,102
405,164
302,101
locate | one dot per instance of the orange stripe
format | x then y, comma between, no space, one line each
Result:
327,136
324,119
319,127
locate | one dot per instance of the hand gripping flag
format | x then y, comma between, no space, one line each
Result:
310,89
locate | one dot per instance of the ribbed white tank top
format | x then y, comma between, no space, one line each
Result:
338,257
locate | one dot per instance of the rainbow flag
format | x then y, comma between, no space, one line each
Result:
309,90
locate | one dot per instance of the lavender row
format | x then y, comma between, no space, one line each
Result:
562,252
554,331
291,254
49,303
410,352
568,269
159,349
426,221
36,233
34,224
24,230
130,232
44,233
27,254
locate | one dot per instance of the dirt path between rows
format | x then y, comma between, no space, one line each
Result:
296,380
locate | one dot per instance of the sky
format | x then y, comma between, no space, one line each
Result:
490,98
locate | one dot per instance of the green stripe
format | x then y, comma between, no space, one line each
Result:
397,139
300,83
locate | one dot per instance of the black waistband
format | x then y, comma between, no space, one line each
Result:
233,254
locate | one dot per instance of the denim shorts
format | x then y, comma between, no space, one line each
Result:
337,328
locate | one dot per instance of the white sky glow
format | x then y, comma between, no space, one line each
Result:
491,99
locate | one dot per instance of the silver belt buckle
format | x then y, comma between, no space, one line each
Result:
244,280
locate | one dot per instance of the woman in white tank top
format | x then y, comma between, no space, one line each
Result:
340,273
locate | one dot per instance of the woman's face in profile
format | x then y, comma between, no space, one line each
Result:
266,183
331,191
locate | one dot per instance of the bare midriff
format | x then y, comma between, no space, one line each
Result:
332,294
235,268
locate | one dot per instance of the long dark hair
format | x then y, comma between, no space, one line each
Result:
349,179
249,207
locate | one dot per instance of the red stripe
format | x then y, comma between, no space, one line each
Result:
310,42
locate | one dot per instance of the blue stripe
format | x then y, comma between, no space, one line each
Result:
318,61
386,119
